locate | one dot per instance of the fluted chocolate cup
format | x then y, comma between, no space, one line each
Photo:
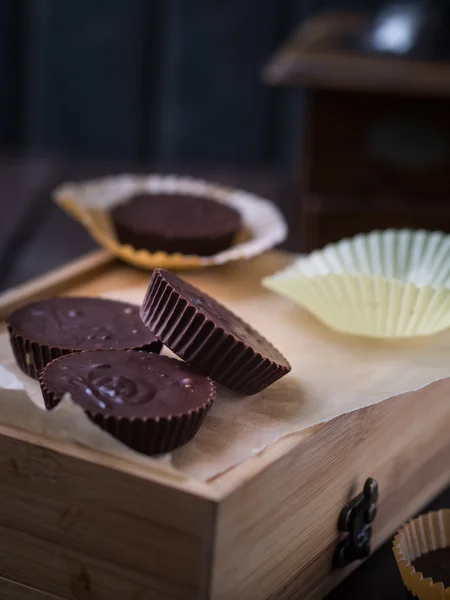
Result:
47,329
149,402
208,336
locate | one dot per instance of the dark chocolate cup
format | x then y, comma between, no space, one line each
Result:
207,347
32,356
149,436
416,538
153,436
204,246
212,230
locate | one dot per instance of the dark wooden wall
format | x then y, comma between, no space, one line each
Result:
166,81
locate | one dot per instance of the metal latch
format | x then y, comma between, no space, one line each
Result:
355,519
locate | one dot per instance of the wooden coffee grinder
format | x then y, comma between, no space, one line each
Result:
376,152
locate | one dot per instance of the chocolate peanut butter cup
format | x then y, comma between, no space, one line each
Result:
435,564
422,552
176,223
207,335
149,402
43,330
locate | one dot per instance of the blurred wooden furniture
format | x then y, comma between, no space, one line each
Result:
376,145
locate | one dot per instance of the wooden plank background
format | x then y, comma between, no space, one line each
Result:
160,80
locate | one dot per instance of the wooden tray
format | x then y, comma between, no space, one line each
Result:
80,525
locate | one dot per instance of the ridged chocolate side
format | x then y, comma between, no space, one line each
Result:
147,436
154,436
203,344
51,400
32,357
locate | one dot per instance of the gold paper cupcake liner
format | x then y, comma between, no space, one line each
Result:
89,202
418,537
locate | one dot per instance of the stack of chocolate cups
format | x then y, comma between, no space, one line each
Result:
105,356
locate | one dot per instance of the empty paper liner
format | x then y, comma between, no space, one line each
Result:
384,284
90,202
429,533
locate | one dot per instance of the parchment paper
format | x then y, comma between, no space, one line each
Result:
331,374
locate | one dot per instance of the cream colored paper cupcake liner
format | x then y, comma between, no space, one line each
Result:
418,537
89,203
384,284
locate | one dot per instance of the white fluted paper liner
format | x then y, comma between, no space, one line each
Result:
418,537
384,284
89,202
331,375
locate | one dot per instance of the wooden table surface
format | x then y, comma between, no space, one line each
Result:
35,236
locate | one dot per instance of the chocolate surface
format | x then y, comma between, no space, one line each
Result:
176,223
436,565
81,324
126,384
222,317
207,335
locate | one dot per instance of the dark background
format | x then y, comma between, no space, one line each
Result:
164,81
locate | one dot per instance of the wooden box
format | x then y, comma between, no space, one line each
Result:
79,525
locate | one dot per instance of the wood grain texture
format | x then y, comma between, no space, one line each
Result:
67,574
118,533
11,590
289,530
